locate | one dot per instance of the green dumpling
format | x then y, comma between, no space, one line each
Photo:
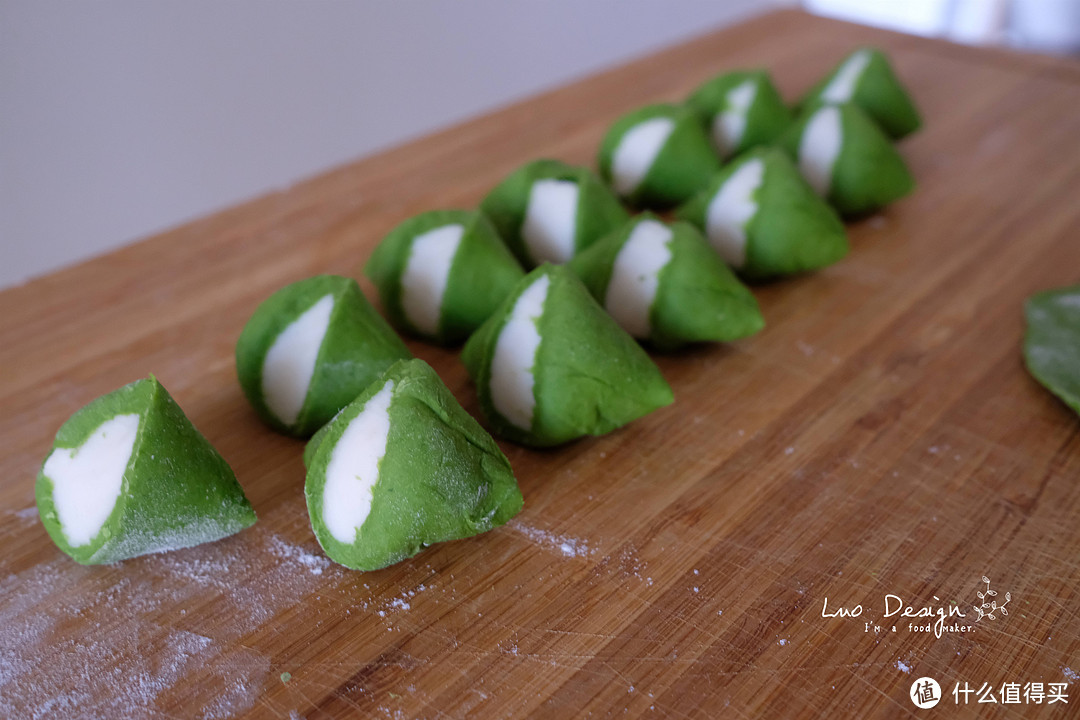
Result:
440,274
742,110
847,159
866,78
551,366
764,220
130,475
311,348
403,467
548,211
1052,342
664,284
658,156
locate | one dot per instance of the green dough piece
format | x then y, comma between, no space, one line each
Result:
790,231
130,475
866,78
597,213
474,278
403,467
356,346
683,166
1052,342
581,375
742,110
694,297
867,173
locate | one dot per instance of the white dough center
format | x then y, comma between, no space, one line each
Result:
731,209
635,276
728,126
353,469
290,361
512,377
842,87
423,283
820,147
637,151
551,220
87,480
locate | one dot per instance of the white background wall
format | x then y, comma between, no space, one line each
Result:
119,118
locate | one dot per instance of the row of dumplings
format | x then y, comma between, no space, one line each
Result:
553,286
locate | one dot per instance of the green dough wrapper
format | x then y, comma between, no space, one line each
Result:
403,467
865,173
440,274
764,220
130,475
683,163
866,78
542,218
1052,342
664,284
551,366
355,347
741,110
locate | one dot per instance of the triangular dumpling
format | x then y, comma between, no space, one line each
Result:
440,274
741,110
130,475
763,219
551,366
663,284
403,467
847,159
657,156
866,78
548,211
309,349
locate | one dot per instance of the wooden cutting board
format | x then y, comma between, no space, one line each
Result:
880,437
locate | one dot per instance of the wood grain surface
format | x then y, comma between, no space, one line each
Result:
880,436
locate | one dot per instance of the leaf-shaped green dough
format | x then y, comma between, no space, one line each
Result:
776,226
551,366
403,467
440,274
657,156
666,286
1052,342
336,345
741,110
548,211
130,475
847,158
866,78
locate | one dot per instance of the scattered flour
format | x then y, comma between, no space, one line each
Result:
903,666
128,655
283,550
1070,674
782,641
561,544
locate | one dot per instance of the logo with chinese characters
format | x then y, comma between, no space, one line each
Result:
1011,693
925,692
